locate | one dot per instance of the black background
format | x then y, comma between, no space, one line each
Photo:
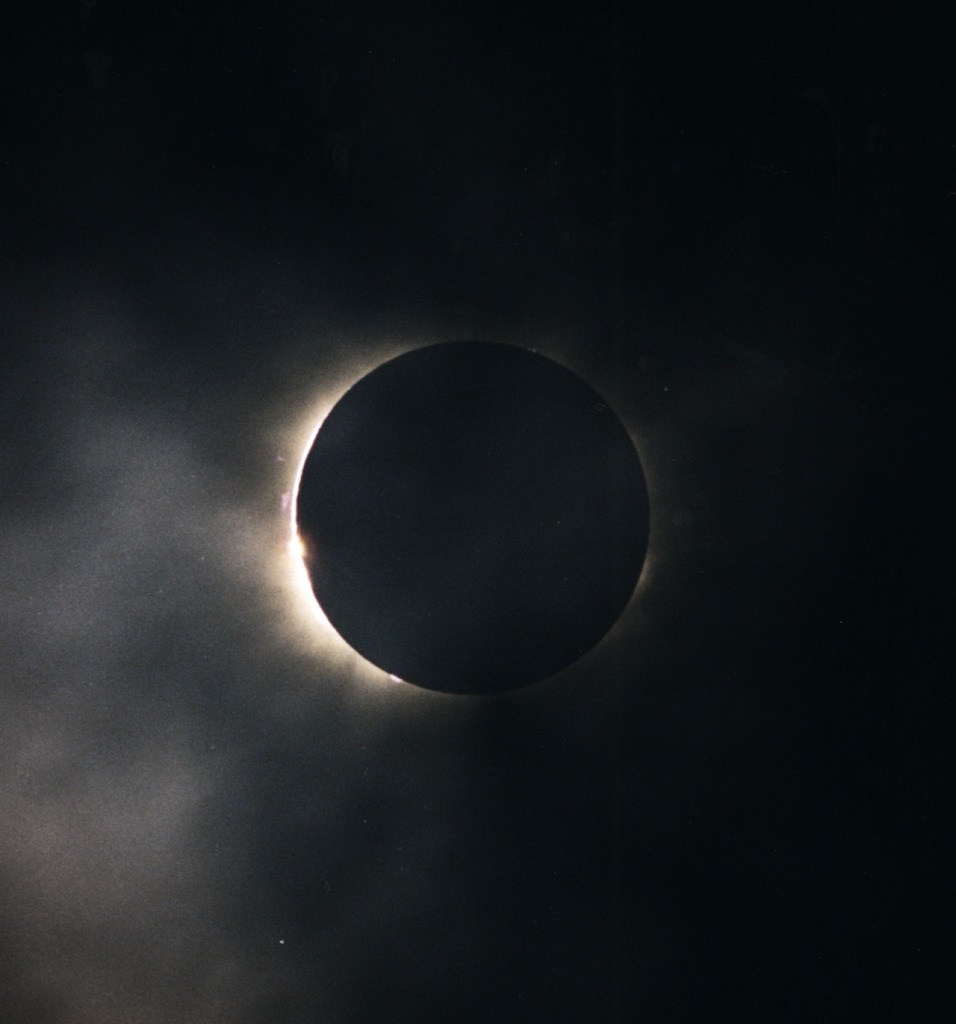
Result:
737,225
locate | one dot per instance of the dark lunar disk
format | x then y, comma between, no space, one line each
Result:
475,517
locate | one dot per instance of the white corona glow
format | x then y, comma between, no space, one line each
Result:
307,623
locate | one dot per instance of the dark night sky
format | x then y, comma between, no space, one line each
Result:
738,227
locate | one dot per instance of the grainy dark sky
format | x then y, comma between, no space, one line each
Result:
737,226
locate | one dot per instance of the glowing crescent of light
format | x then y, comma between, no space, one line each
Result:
310,622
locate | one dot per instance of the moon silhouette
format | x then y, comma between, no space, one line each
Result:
474,517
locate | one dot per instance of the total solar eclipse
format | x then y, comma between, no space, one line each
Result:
473,516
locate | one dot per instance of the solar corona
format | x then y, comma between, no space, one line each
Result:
470,517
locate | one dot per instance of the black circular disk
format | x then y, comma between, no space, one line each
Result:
475,517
